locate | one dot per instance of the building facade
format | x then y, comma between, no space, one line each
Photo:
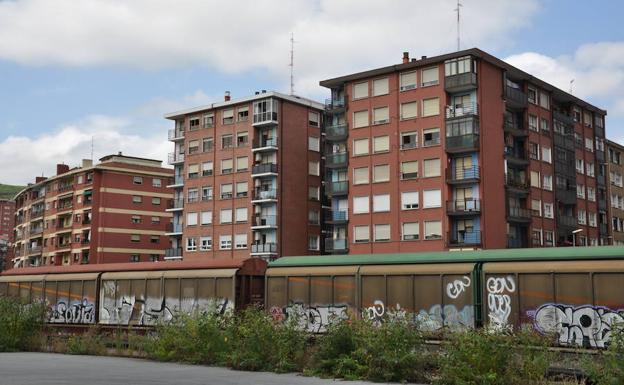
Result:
247,178
110,212
7,218
460,151
615,170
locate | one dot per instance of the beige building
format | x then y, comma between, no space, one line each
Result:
616,190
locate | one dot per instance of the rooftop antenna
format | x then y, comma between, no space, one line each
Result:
91,148
292,63
571,83
457,10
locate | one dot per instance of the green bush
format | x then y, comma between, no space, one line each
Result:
608,367
89,343
20,325
487,357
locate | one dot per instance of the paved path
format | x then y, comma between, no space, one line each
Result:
51,369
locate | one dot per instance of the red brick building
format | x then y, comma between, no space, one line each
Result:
460,151
7,218
247,178
110,212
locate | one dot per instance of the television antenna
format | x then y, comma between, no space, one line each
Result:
571,84
459,5
292,63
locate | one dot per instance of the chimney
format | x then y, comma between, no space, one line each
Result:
264,91
61,169
40,179
87,163
257,92
227,96
405,57
423,57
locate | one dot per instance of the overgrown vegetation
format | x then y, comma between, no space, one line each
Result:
20,325
608,367
8,191
89,343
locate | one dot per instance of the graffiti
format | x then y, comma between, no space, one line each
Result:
439,316
78,312
588,326
458,286
314,319
378,313
499,301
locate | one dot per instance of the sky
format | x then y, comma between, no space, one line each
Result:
108,70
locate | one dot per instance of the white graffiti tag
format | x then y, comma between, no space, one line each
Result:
499,301
314,319
378,313
458,286
77,312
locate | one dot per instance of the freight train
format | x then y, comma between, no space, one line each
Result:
576,293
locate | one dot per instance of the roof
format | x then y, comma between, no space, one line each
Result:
515,72
496,255
263,95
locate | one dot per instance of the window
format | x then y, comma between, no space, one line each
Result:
206,218
156,182
532,95
592,219
155,220
534,151
431,167
226,141
360,90
533,123
547,182
226,216
380,87
226,191
360,147
360,119
314,193
535,179
433,230
382,233
579,166
193,171
381,173
409,140
381,203
590,169
431,107
548,210
536,237
580,191
241,189
192,195
313,119
544,126
381,115
408,80
225,242
544,100
314,144
227,116
135,238
207,144
409,110
193,147
381,144
155,201
206,193
361,234
205,243
591,194
410,231
432,198
240,241
313,168
409,200
242,163
546,155
360,205
191,219
242,139
241,214
136,219
194,124
360,175
589,144
581,216
587,118
243,113
429,76
536,207
313,242
137,180
314,217
431,137
137,199
154,239
227,166
208,120
409,170
207,168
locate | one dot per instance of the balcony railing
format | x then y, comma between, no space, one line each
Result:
174,158
463,206
336,159
173,253
34,249
567,220
264,248
461,238
460,82
517,182
338,188
265,220
333,103
36,230
463,175
265,117
178,180
264,168
566,196
336,215
462,143
602,227
176,203
515,128
565,141
336,132
86,220
563,118
516,155
335,245
85,241
260,194
515,97
467,109
36,214
602,204
66,187
262,143
600,156
176,134
174,227
515,243
518,213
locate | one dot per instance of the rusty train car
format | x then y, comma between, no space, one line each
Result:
576,293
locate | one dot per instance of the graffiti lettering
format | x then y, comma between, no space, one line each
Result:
458,286
499,301
79,312
439,316
379,313
310,318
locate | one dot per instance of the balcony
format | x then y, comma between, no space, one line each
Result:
178,181
515,98
460,82
264,169
36,231
456,175
174,158
66,187
564,141
335,245
62,228
264,144
86,220
463,207
334,103
464,238
336,216
264,222
174,253
265,118
600,179
176,134
36,214
518,214
175,204
602,204
600,156
462,143
517,156
516,243
565,196
515,128
336,160
264,248
174,229
338,188
463,111
602,228
34,250
336,132
261,195
563,118
567,221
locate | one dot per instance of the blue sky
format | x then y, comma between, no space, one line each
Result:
111,69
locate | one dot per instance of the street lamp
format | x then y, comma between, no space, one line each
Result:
574,232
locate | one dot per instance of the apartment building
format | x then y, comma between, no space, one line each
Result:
615,171
7,210
460,151
110,212
247,178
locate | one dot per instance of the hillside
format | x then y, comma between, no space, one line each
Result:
8,191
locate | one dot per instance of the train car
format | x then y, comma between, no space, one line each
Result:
137,294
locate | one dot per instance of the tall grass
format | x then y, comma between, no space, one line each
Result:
20,325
